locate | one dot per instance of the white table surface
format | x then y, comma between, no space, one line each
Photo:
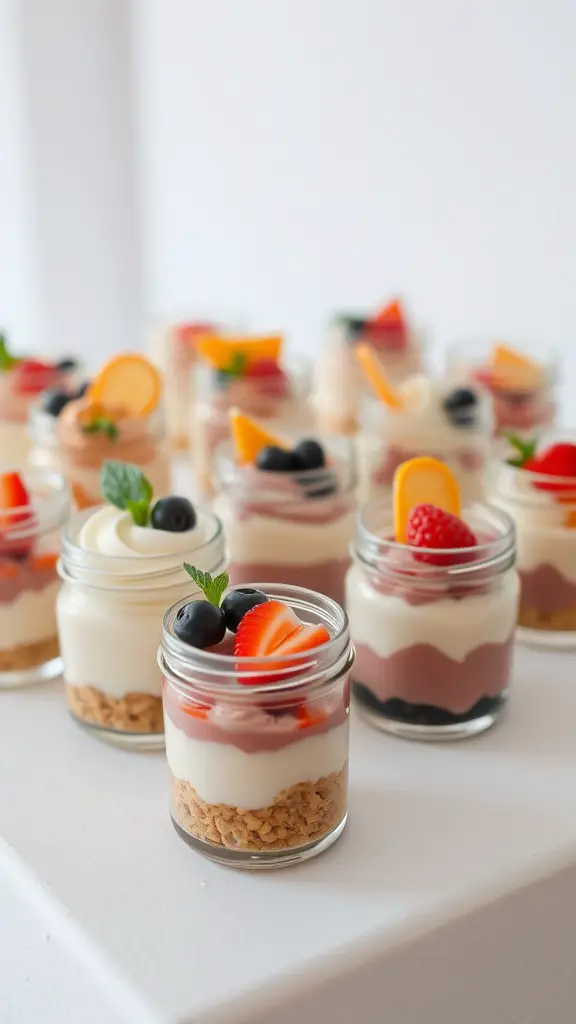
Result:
108,917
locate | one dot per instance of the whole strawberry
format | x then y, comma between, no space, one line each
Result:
558,460
430,527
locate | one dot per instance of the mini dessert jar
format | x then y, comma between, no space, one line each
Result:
20,386
544,511
29,584
258,749
110,613
291,527
433,642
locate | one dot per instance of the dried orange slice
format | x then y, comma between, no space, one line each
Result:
390,315
375,376
129,382
512,369
221,351
422,481
249,438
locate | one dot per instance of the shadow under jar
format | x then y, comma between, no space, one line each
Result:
29,584
258,748
110,613
292,527
433,642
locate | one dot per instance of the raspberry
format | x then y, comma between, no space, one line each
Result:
431,527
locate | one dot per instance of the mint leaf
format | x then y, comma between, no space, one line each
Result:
526,450
102,425
211,588
7,361
236,367
126,487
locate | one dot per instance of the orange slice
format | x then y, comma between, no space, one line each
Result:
422,481
249,438
129,382
511,368
374,374
390,315
220,351
44,563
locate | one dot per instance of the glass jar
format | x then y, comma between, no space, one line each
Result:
29,584
526,403
433,642
291,527
279,405
258,771
45,452
19,391
544,511
110,613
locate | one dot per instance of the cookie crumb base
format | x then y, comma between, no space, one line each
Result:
560,621
25,656
134,712
302,815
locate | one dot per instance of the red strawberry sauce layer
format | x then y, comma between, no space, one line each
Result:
546,590
29,574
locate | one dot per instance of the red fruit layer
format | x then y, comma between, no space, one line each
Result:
32,376
15,515
557,460
32,574
546,590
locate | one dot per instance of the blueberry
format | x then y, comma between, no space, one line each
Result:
200,624
83,389
276,460
355,325
67,365
174,514
53,401
309,454
238,602
460,405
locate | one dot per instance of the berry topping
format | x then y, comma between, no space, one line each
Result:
422,481
512,369
375,376
15,514
200,624
249,438
388,328
67,365
558,460
129,382
53,401
222,352
238,602
460,405
31,376
264,368
432,527
309,454
273,459
274,629
174,514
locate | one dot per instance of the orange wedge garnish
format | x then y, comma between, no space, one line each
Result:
390,316
81,497
249,438
129,382
511,368
422,481
221,351
374,374
43,563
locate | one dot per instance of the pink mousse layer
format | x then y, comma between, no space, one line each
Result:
545,589
325,577
421,674
253,729
19,577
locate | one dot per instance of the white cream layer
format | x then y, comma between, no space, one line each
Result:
388,624
421,424
541,537
30,618
281,542
223,774
15,444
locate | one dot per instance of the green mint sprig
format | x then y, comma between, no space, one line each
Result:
525,450
236,368
7,361
101,425
126,487
211,588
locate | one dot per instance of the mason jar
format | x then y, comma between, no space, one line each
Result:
20,387
258,748
29,584
433,642
110,612
292,527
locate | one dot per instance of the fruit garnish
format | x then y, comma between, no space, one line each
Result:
558,460
249,438
422,481
525,450
309,454
512,369
54,400
15,514
273,459
238,602
99,423
390,315
126,487
44,563
212,588
220,351
274,629
432,527
7,360
461,405
32,376
129,382
174,514
202,623
370,365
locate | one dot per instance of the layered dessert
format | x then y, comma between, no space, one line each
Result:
432,600
396,345
258,758
421,417
22,381
119,418
122,567
246,373
32,509
537,486
46,452
288,510
174,351
519,385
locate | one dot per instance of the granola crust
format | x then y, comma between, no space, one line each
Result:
134,712
300,815
533,618
26,656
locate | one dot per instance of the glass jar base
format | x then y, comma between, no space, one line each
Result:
256,860
550,639
44,673
140,741
428,733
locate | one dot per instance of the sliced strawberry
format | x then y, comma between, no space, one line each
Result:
431,527
264,628
264,368
31,376
304,638
44,563
15,514
309,715
559,460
